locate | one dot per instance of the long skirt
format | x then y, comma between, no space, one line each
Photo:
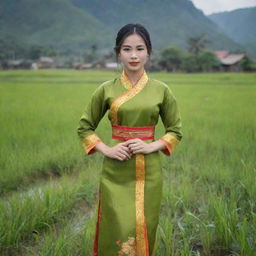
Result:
130,195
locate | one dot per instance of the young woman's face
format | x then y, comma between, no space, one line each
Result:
133,53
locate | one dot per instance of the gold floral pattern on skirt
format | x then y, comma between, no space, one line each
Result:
127,248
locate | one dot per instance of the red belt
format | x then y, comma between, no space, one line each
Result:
128,132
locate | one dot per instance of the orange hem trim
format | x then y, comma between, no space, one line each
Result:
96,239
168,149
89,142
89,150
146,237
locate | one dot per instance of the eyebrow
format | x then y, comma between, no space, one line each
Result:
141,45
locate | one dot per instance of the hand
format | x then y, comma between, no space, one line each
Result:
138,146
120,152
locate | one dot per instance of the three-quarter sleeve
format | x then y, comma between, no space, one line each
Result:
94,112
170,116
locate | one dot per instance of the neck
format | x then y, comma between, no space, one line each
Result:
134,76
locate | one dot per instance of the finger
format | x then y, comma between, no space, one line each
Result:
131,146
126,149
125,153
125,143
118,158
138,142
128,142
134,142
138,151
136,147
124,146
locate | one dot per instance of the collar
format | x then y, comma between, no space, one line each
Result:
127,83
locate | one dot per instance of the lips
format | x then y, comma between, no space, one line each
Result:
133,63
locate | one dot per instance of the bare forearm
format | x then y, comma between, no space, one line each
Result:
101,147
156,145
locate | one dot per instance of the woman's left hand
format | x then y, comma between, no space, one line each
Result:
138,146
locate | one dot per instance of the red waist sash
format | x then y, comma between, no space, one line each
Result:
128,132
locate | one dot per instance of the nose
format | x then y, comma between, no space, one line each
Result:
134,55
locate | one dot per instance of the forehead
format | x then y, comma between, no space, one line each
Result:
133,39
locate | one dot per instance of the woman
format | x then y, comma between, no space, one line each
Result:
131,180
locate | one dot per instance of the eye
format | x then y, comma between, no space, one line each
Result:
126,49
140,49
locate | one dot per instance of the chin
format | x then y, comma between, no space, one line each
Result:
135,68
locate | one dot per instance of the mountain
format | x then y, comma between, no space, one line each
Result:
170,22
239,25
56,23
75,25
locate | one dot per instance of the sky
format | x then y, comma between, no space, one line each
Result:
212,6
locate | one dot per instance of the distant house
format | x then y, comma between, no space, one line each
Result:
221,54
82,65
111,65
230,61
45,62
18,64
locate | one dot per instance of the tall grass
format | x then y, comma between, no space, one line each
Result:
25,215
208,205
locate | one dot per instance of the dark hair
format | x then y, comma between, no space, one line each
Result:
130,29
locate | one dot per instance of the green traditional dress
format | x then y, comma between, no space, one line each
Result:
130,191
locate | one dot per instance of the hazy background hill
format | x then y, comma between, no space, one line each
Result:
72,26
239,25
56,23
169,22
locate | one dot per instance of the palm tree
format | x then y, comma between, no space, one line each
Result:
196,43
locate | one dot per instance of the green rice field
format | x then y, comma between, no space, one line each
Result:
49,186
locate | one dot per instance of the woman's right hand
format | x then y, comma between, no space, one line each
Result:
120,152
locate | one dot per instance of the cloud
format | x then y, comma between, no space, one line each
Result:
210,6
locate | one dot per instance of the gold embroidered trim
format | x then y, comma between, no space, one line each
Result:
133,90
125,81
141,236
90,141
170,141
128,247
133,133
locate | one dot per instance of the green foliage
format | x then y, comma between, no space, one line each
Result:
207,61
174,59
10,48
190,63
171,58
247,64
35,52
197,43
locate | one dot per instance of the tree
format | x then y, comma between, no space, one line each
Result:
52,53
207,60
35,52
197,43
247,64
171,59
190,63
91,54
